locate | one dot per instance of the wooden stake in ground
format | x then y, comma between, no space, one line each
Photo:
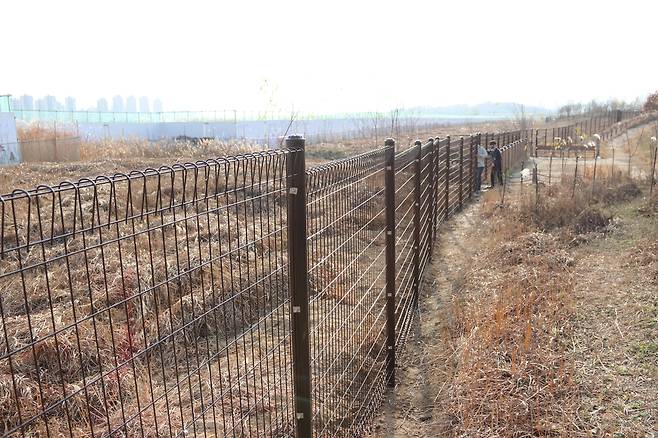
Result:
612,172
550,168
535,178
575,177
653,168
594,175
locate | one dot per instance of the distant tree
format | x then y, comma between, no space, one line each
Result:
651,103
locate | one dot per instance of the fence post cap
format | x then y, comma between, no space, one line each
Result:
389,142
418,143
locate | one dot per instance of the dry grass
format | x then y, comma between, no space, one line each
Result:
177,150
492,356
512,321
511,326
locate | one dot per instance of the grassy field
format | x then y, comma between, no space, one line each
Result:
540,319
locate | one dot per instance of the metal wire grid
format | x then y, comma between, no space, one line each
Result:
148,304
346,237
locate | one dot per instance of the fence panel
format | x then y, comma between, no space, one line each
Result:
157,303
404,247
50,150
148,304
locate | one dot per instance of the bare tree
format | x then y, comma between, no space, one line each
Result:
395,123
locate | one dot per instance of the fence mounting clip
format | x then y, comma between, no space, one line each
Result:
296,309
293,190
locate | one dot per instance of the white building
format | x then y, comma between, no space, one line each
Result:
131,104
117,104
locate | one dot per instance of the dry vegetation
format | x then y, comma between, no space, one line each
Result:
510,324
122,155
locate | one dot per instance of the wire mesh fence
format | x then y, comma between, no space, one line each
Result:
179,301
148,304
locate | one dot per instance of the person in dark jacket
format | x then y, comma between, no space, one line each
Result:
497,160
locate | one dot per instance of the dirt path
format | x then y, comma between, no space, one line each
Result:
413,409
614,338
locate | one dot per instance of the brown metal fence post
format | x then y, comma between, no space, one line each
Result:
535,179
447,185
435,194
612,170
417,224
461,172
434,191
298,274
536,142
389,182
550,168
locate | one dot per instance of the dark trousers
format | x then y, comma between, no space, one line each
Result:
496,172
478,178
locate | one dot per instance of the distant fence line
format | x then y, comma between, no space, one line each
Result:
242,296
49,150
227,115
595,168
577,135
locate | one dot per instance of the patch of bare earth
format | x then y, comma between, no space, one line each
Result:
423,378
523,332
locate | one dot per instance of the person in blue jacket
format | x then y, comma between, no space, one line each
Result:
497,160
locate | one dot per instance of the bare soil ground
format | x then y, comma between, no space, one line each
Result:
615,346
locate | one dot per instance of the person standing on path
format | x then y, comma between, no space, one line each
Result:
482,155
497,158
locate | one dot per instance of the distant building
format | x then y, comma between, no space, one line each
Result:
117,104
69,104
131,104
101,105
157,106
15,103
144,105
27,102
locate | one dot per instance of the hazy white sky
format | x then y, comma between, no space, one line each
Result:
332,55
